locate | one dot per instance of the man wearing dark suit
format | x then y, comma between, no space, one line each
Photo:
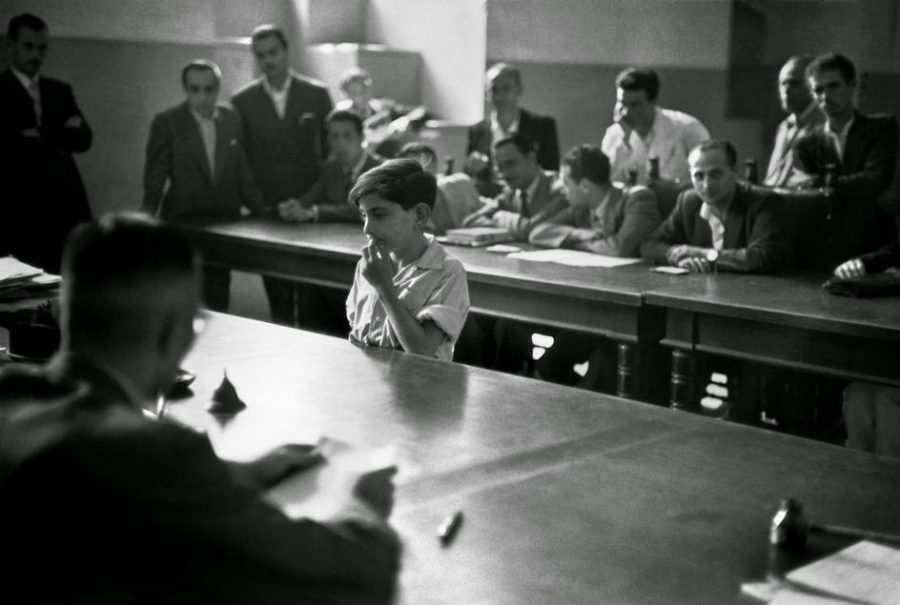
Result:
197,149
283,115
41,127
719,224
150,514
322,309
504,85
863,152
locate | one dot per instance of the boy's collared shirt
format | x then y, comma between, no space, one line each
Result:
433,287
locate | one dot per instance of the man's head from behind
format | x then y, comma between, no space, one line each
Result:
27,38
712,164
636,93
129,298
422,153
269,44
585,170
832,78
345,135
201,80
515,159
793,87
504,86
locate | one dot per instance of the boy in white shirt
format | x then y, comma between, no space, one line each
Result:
408,293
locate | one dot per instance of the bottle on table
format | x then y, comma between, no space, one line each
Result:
653,171
751,172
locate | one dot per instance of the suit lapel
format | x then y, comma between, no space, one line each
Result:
734,220
856,139
194,141
223,141
540,197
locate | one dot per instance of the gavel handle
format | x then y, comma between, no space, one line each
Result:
853,532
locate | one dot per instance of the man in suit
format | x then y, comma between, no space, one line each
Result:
197,149
150,514
504,89
859,149
41,127
804,115
643,130
283,114
719,224
322,309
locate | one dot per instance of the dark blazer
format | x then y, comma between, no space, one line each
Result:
119,508
286,153
541,130
861,224
506,211
754,240
176,156
43,197
621,223
331,190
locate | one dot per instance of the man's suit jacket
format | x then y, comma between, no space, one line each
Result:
754,239
624,219
541,130
330,192
176,154
506,211
43,197
861,223
100,504
286,153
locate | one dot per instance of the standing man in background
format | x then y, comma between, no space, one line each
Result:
197,148
804,115
41,127
643,130
283,115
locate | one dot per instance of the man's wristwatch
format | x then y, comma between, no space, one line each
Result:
712,257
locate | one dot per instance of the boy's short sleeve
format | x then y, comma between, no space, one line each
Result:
448,304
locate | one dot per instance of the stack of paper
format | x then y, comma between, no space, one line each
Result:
574,258
20,280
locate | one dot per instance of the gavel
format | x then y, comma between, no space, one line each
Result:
790,529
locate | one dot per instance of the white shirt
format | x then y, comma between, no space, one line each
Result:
279,97
840,138
781,171
716,224
671,137
433,287
208,134
499,133
32,87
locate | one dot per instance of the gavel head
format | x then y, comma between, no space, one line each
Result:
789,526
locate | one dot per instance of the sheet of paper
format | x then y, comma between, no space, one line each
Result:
863,573
14,269
670,270
574,258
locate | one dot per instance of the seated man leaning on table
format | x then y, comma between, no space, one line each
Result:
102,502
872,411
408,293
720,223
530,195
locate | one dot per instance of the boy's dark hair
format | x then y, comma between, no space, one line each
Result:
403,181
264,31
634,78
722,145
587,162
833,61
522,143
345,115
24,20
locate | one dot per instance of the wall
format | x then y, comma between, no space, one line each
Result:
450,37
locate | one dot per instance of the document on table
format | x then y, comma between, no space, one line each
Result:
574,258
12,269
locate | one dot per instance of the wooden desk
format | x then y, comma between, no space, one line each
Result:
569,496
785,321
607,302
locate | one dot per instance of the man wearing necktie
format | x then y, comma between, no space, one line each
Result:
41,127
804,115
197,149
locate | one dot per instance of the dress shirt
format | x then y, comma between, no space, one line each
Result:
671,138
498,132
32,87
782,171
208,134
432,287
279,97
716,224
839,138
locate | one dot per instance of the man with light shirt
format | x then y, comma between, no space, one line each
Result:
284,115
804,115
196,167
719,224
643,130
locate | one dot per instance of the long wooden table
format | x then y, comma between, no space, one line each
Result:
607,302
569,496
